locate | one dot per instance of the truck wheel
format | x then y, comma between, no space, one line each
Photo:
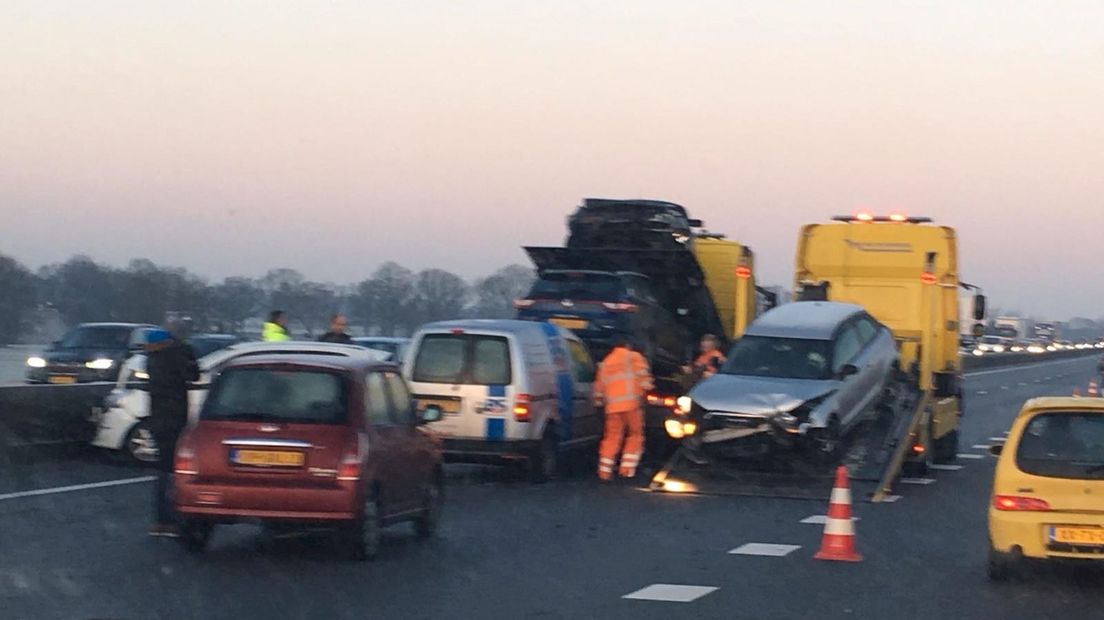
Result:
543,462
1001,566
946,448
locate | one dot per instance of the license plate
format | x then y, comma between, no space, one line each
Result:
449,406
62,379
267,458
1077,535
570,323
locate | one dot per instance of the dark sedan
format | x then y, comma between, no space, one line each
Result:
87,353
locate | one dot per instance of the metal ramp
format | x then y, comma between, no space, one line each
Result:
874,456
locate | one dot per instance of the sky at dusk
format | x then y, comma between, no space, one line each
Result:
332,136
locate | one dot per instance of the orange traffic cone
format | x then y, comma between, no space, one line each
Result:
838,543
1093,389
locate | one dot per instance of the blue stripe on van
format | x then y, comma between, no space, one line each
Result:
496,429
565,380
496,391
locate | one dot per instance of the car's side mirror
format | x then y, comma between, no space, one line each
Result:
996,449
432,413
695,223
848,370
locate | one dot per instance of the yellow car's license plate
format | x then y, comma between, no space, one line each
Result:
1077,535
62,379
570,323
267,458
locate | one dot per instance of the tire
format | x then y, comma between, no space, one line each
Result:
945,448
826,443
195,535
544,461
140,444
363,538
1001,566
425,526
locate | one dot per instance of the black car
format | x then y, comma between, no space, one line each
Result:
89,352
204,344
639,224
601,305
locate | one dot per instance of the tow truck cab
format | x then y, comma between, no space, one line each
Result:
904,271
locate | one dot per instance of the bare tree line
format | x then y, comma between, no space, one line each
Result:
391,301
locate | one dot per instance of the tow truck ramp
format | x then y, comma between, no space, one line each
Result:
875,454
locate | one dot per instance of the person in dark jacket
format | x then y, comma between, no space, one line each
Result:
171,365
337,333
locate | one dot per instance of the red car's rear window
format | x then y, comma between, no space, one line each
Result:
308,396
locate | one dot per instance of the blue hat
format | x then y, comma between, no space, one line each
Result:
157,335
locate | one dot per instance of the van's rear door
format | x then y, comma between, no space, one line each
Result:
470,377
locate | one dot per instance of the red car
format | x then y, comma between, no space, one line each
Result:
303,440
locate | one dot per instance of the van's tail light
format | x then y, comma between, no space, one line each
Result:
524,303
1018,502
184,461
521,407
619,307
349,468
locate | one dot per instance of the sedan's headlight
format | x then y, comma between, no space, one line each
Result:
141,375
683,405
101,363
36,362
677,429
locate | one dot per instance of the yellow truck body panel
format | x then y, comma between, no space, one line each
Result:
729,269
884,267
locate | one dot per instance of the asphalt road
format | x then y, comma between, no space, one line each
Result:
13,363
568,549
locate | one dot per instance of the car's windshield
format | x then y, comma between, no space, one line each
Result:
1063,445
454,358
277,395
578,286
96,338
784,358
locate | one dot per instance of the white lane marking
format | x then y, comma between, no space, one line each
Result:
982,392
1038,381
924,481
820,519
1021,384
998,439
980,446
1004,387
890,499
670,593
982,373
1005,433
970,455
77,487
1049,378
941,467
770,550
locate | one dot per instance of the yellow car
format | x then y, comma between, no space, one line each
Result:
1048,493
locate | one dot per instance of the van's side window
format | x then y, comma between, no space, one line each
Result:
580,358
402,407
376,407
848,346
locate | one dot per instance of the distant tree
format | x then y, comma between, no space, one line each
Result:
315,304
18,299
495,294
384,300
234,300
439,295
80,290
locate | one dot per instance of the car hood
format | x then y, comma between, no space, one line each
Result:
79,355
757,395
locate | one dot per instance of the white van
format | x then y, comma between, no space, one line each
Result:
507,390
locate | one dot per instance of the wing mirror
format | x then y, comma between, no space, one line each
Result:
979,307
432,413
996,449
848,370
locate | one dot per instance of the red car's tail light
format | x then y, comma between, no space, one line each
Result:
184,461
619,307
521,408
349,467
1018,502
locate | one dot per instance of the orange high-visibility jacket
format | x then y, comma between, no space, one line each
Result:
623,380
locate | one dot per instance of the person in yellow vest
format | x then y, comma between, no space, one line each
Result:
275,330
621,386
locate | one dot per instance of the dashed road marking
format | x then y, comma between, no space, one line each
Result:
998,439
770,550
922,481
77,487
820,519
1004,387
890,499
980,446
941,467
982,392
670,593
1021,384
970,455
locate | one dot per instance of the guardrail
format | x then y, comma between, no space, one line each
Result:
996,360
